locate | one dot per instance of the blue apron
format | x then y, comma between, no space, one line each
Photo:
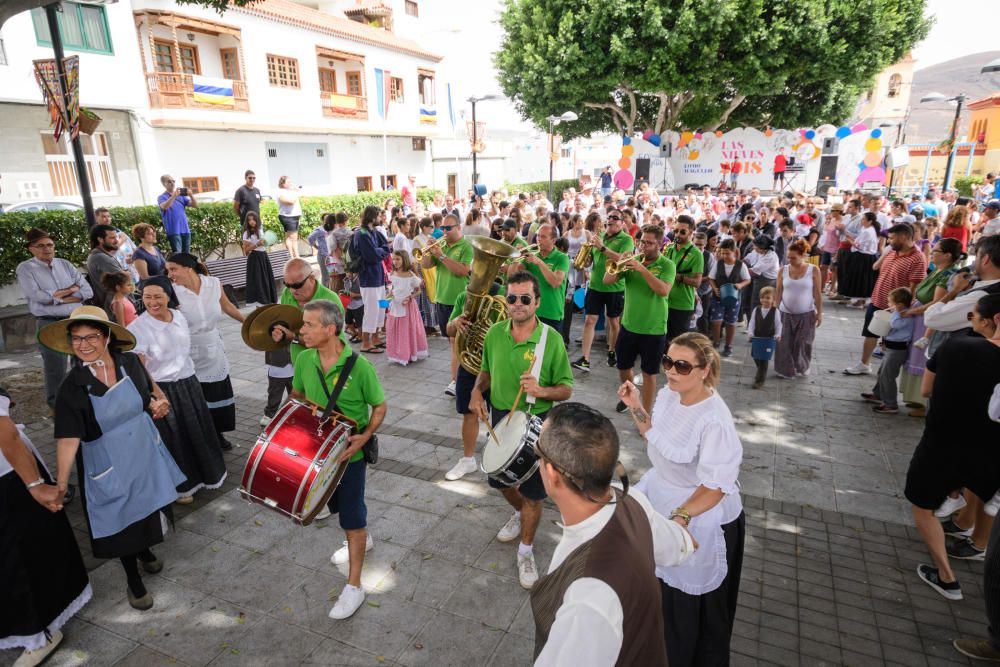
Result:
129,472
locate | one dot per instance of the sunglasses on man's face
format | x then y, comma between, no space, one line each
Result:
298,285
525,299
614,218
447,228
682,367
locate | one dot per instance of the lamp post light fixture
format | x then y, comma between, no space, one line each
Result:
472,100
567,117
958,100
991,67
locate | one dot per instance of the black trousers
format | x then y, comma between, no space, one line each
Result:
991,584
697,628
761,369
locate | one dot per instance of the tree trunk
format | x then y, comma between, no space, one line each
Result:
733,105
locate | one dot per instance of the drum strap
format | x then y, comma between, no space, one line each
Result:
536,365
345,373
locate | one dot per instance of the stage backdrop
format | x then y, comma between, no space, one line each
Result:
705,158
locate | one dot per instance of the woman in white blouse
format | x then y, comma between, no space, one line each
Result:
163,342
859,280
696,455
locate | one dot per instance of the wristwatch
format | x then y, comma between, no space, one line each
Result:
37,482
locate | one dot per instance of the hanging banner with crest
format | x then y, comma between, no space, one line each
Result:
47,76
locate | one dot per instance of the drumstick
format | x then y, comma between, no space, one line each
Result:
521,390
490,429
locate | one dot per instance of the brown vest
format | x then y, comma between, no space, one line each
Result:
621,555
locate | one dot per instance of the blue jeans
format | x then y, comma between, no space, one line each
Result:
179,242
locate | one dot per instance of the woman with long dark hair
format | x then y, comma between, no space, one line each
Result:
260,275
370,248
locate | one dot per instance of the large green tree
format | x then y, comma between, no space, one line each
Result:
627,65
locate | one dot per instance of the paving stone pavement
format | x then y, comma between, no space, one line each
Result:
828,578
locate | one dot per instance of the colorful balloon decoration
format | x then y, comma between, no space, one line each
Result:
876,133
871,166
623,179
628,150
843,132
654,139
811,134
625,163
626,141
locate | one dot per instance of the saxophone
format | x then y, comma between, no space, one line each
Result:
583,257
481,309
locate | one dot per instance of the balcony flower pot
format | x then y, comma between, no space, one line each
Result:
89,121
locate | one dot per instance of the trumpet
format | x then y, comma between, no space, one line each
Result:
583,257
418,253
614,268
525,251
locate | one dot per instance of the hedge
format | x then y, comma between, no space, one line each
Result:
212,225
964,184
543,186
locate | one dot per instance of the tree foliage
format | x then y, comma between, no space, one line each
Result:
627,65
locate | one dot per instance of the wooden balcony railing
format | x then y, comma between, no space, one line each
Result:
336,105
171,90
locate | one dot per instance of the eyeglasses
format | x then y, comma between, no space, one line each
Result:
526,299
251,178
44,245
682,367
971,316
92,339
447,228
614,217
298,285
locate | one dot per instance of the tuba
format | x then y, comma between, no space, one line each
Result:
482,310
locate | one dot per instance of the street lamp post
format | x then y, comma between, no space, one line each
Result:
475,129
567,117
959,100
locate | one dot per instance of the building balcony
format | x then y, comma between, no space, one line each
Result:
172,90
337,105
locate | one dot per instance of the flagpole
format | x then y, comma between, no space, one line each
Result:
385,155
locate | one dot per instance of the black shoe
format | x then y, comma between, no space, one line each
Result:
952,529
871,398
965,550
225,444
70,494
612,359
621,407
727,351
582,364
929,575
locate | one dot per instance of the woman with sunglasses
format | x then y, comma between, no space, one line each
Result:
696,455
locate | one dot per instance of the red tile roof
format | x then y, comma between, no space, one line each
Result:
298,15
362,6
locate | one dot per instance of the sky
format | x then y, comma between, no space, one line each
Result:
962,27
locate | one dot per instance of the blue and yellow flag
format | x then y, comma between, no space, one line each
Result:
209,90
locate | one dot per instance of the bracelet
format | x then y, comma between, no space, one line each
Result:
683,514
37,482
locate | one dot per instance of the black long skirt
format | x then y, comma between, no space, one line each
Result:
42,576
260,279
857,278
189,434
221,404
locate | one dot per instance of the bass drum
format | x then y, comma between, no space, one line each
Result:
512,460
293,467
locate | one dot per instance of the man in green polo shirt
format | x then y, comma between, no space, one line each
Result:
550,266
644,322
455,262
509,233
614,244
301,287
690,264
363,401
509,350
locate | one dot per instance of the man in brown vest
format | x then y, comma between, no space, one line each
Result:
599,603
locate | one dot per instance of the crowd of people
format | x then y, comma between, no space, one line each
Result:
669,279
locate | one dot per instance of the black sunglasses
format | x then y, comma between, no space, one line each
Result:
526,299
614,217
682,367
299,284
447,228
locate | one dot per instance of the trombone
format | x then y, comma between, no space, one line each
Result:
418,253
621,266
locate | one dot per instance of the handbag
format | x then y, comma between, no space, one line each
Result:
370,449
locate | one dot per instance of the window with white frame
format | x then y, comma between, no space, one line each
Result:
62,169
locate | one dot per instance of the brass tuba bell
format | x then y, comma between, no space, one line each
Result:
481,309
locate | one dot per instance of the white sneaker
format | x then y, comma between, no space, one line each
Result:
36,657
921,343
993,505
323,513
349,601
265,420
527,574
450,389
858,369
342,555
511,530
950,506
462,468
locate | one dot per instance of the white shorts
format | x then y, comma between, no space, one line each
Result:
374,316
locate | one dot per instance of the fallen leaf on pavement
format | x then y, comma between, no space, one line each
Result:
374,603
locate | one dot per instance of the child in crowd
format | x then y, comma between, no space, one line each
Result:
728,271
405,337
355,309
897,343
119,287
765,323
279,381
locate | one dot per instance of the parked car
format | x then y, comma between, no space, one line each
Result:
40,205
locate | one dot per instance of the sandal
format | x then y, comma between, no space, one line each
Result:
373,350
355,339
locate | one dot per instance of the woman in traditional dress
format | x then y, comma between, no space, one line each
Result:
260,275
42,576
104,422
203,302
163,339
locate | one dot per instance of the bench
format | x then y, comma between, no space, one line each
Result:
232,272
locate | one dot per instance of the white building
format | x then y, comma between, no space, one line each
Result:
303,101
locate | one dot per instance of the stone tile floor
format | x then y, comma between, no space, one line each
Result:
829,574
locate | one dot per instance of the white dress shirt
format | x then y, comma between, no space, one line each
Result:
39,281
765,265
588,628
166,346
954,315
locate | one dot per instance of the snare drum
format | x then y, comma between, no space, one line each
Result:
293,466
512,460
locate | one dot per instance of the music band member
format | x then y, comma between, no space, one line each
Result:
510,232
689,264
598,604
550,266
302,287
509,350
613,245
317,370
644,321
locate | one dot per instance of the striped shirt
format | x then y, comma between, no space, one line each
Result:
898,270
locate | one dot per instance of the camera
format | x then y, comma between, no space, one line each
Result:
184,192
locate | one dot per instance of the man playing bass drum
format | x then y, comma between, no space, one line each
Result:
509,351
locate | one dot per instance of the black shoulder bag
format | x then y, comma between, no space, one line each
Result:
370,448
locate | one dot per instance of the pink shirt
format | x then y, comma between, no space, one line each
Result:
409,196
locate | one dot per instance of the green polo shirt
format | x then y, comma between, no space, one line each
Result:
620,243
324,293
645,310
362,390
449,286
519,242
553,298
506,361
682,296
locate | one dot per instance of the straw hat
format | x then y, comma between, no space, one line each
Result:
56,335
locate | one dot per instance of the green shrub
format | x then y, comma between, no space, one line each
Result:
964,184
543,186
212,225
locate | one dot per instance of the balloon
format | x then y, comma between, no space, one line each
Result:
654,139
872,174
811,134
802,133
876,133
698,135
270,238
843,132
872,159
861,165
768,132
860,127
623,179
816,153
718,133
647,134
626,141
873,145
627,150
685,137
625,163
693,155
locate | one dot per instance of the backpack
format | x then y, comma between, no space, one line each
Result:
352,255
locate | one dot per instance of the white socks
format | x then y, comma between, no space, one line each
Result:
524,549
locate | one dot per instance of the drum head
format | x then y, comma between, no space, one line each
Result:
328,475
496,455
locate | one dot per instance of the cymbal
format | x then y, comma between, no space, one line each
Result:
259,332
245,329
